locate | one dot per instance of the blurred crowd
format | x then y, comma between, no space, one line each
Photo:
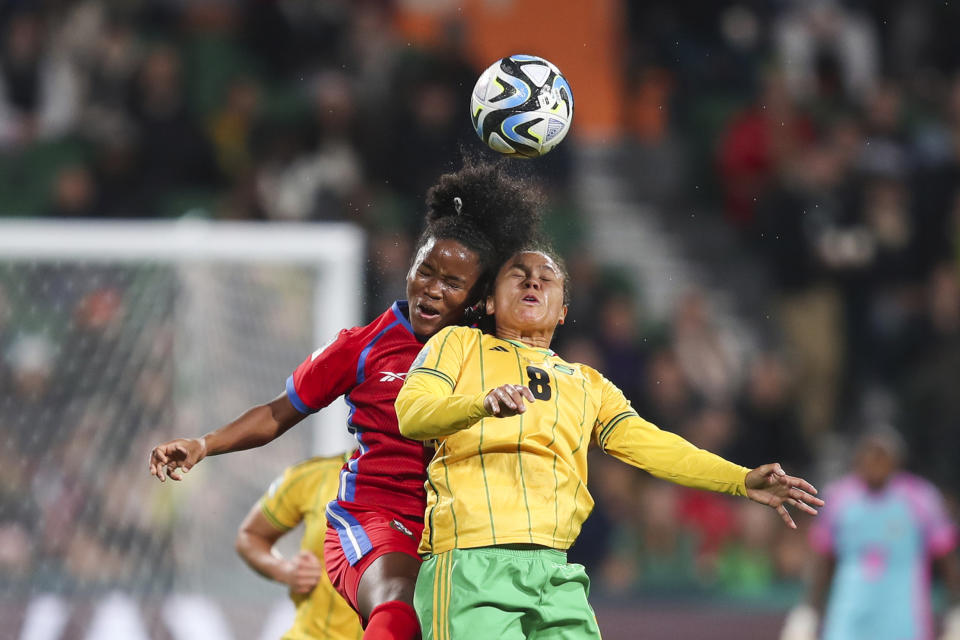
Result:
826,133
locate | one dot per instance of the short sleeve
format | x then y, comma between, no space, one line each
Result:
940,532
823,529
328,373
822,537
614,409
280,504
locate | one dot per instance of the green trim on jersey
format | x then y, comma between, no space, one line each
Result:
522,345
272,519
483,466
523,482
453,512
583,416
434,372
608,429
556,480
443,344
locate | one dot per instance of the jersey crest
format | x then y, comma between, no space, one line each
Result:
420,359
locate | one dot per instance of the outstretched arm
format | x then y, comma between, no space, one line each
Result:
622,433
255,428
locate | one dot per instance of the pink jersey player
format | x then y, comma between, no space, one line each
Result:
875,543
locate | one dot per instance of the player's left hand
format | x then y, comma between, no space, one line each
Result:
770,485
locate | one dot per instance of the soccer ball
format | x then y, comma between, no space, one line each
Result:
522,106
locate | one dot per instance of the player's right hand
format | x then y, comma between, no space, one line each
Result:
305,572
507,400
170,457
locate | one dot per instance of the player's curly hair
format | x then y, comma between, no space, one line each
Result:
487,210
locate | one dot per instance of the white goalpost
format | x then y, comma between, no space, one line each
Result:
333,251
118,335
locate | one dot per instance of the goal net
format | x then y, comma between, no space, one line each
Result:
118,336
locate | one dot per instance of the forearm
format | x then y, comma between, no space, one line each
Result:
670,457
259,555
254,428
427,410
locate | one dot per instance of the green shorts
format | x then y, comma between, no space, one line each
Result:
498,592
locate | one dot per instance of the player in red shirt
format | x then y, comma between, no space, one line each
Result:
476,219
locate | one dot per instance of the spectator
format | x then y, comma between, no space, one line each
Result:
318,182
117,167
38,88
827,49
755,146
746,565
810,239
880,325
74,194
767,414
708,356
231,128
173,151
925,381
667,397
619,344
110,52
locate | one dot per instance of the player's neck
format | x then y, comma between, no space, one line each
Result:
534,339
876,486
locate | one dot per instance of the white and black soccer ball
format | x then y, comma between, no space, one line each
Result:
522,106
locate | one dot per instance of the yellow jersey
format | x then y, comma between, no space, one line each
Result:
523,479
302,493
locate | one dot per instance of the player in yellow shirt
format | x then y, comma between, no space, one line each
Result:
507,487
301,493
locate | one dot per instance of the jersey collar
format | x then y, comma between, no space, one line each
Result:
517,343
401,311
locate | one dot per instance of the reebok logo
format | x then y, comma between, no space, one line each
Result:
390,376
499,348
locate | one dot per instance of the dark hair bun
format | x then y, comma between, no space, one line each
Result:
503,210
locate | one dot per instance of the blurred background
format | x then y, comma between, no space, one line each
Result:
759,202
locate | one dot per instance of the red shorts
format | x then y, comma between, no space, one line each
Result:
356,537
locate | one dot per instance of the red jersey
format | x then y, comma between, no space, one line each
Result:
367,366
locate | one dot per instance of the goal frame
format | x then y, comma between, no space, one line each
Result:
333,250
